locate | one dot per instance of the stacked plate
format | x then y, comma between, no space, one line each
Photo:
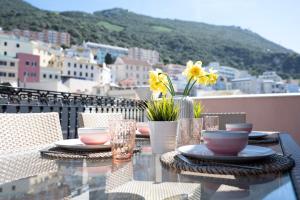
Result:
76,144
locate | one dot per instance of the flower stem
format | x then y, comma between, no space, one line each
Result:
187,86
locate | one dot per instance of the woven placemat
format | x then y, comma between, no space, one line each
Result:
267,140
60,153
273,164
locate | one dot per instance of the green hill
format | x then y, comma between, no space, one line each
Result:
177,41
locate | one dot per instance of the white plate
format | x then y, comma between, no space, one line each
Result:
250,153
257,135
76,144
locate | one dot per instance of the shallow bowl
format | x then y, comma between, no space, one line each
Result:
93,136
239,127
143,128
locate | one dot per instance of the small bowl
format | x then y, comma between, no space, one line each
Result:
225,142
239,127
93,136
143,128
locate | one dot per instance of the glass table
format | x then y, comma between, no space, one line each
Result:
28,176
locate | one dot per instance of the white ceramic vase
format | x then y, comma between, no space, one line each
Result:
163,136
185,105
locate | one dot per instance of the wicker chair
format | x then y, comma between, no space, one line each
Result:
98,119
21,132
225,118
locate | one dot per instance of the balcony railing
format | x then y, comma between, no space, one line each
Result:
68,105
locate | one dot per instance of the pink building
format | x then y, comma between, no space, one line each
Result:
29,67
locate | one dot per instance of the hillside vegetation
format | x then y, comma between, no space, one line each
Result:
177,41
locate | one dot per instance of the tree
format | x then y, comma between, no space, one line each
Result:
109,59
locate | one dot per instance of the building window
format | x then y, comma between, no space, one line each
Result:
5,43
69,73
27,63
92,75
80,73
50,76
17,45
86,74
2,73
75,65
69,64
12,64
92,67
56,77
80,66
86,66
44,75
74,73
126,66
13,188
11,74
25,74
5,53
3,63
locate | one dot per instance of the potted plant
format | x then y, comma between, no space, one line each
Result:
162,115
160,82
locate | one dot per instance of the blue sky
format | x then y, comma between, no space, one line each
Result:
276,20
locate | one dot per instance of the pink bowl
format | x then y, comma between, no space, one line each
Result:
239,127
225,142
93,136
143,128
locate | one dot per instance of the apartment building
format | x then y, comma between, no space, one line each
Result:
9,70
80,68
148,55
49,74
29,67
48,36
10,45
130,72
101,50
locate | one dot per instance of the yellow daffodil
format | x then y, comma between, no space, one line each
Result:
212,76
193,70
204,79
158,82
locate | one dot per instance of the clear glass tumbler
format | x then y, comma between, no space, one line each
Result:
122,134
211,123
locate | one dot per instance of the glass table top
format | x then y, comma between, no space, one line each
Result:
28,176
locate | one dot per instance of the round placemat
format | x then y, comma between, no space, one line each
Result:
267,140
273,164
60,153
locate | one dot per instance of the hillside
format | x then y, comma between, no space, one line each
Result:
176,40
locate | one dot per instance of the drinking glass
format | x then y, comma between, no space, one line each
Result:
211,123
188,131
122,134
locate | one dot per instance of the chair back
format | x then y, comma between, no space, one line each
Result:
24,131
93,120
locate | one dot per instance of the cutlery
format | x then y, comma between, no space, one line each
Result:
190,162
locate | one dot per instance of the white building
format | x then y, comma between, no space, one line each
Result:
148,55
80,68
227,72
173,69
101,50
248,85
271,75
10,45
9,70
50,74
129,72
